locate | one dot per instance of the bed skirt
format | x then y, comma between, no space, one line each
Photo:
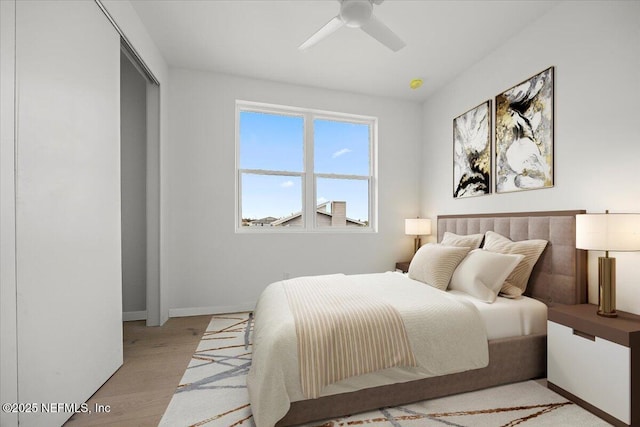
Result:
510,360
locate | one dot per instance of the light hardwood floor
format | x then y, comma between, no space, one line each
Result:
155,359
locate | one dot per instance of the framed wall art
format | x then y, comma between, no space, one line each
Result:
524,135
472,152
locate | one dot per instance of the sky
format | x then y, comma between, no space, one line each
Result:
275,142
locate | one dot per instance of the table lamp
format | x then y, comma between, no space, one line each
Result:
607,232
417,227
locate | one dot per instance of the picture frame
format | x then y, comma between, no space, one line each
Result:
472,152
524,145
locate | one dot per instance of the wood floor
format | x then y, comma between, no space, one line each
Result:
155,359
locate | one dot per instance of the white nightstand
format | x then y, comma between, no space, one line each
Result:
595,361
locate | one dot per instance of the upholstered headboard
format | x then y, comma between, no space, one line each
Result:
560,275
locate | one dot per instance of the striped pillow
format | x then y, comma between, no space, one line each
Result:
516,283
434,264
472,241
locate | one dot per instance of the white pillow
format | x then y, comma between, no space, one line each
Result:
434,264
472,241
516,283
482,273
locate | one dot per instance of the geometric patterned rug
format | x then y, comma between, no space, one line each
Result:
213,393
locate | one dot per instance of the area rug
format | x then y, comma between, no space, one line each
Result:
213,393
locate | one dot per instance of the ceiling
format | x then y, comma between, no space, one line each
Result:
259,39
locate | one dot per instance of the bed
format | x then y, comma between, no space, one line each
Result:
559,277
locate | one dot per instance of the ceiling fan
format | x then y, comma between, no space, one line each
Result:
357,14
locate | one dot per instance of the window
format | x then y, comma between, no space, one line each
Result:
304,170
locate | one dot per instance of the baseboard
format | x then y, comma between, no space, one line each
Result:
199,311
128,316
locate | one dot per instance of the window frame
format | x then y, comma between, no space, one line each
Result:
308,175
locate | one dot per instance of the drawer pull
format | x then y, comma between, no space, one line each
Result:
584,335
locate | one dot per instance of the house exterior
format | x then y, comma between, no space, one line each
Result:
335,217
262,222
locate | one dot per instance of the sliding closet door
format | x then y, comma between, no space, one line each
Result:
67,204
8,349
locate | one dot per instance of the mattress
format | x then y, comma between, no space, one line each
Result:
507,317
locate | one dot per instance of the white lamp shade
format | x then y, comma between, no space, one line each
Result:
608,232
417,226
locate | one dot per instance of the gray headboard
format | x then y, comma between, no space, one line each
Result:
560,275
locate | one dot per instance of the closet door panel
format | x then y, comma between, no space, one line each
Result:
67,204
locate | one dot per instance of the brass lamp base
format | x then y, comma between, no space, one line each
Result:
607,287
416,244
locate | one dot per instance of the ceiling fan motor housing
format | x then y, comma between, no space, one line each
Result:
355,13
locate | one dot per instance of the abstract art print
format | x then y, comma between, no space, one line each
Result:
524,135
472,152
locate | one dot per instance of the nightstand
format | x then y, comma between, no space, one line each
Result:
595,361
403,266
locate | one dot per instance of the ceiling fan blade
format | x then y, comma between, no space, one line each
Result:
322,33
383,34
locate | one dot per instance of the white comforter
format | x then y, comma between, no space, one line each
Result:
446,334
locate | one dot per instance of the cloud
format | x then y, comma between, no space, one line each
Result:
340,152
287,184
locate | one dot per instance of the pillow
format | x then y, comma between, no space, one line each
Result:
472,241
434,264
516,283
482,273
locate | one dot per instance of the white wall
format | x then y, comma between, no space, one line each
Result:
133,158
213,269
595,47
